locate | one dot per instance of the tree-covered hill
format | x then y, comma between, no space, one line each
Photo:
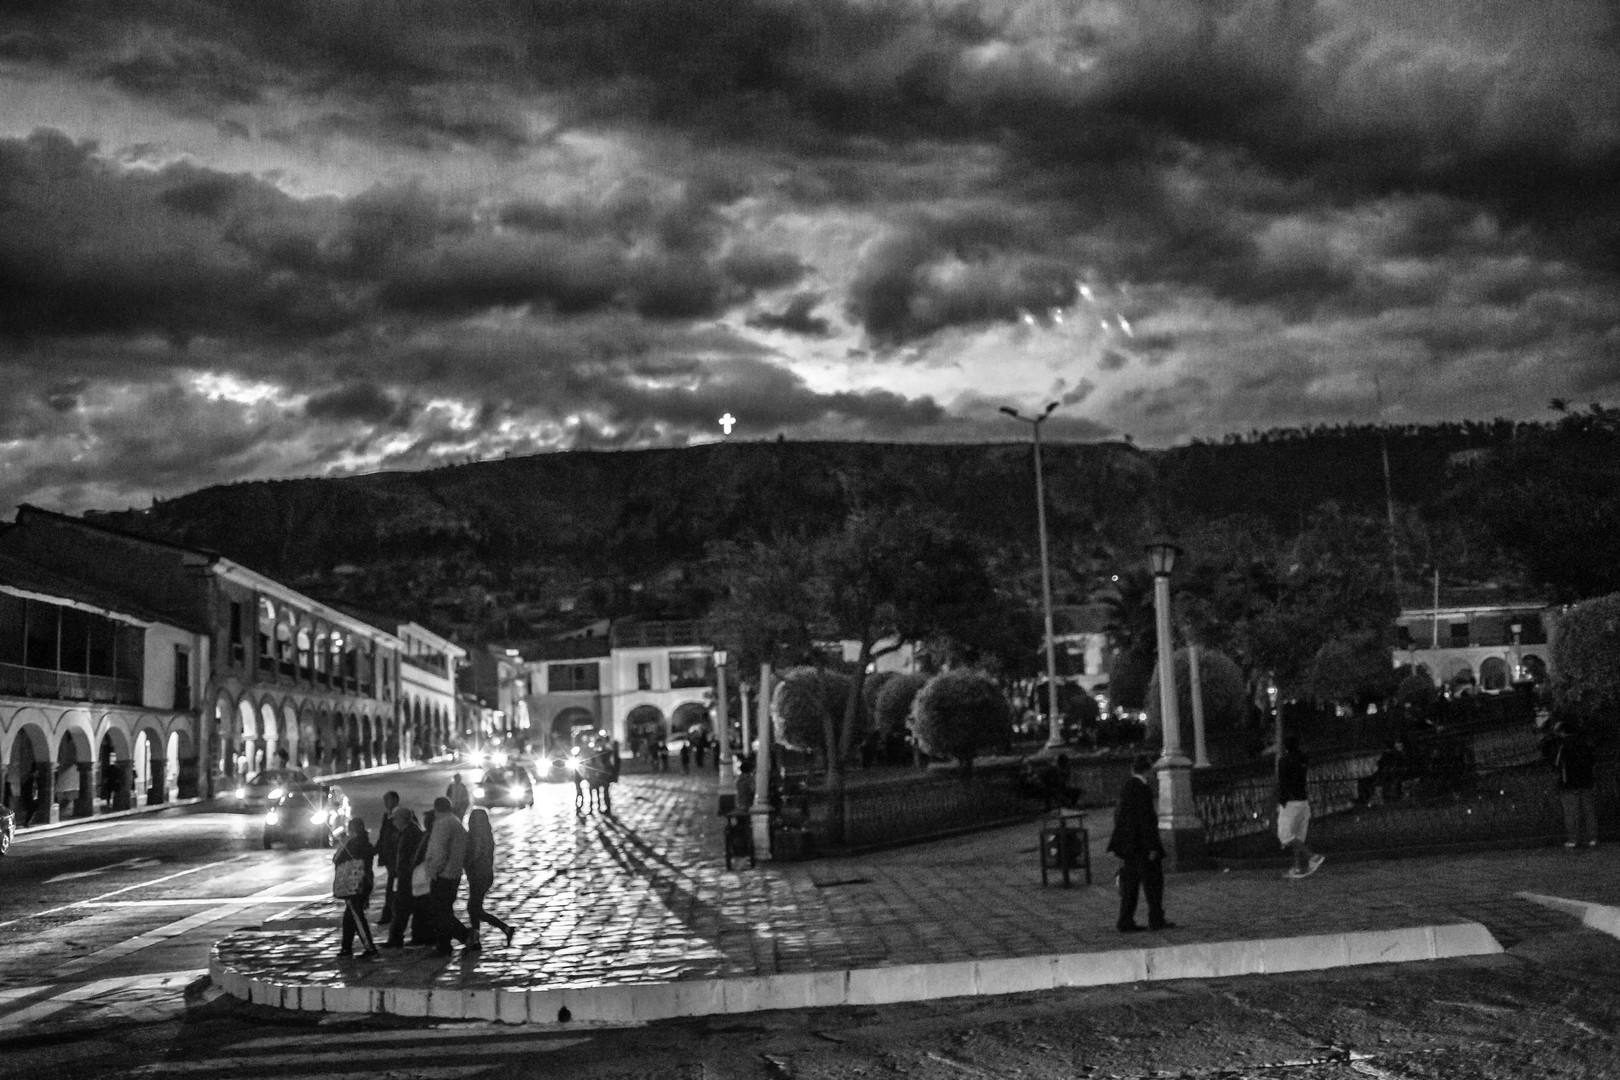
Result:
517,547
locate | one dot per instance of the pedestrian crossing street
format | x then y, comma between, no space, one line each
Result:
330,1052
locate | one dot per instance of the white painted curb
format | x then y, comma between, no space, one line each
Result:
1597,916
637,1003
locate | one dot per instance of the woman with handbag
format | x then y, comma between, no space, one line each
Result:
352,882
481,876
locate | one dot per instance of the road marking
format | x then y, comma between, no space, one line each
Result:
172,930
274,1064
127,864
125,889
461,1031
241,901
94,993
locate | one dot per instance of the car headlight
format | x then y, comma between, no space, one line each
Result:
478,791
240,793
319,817
272,818
276,793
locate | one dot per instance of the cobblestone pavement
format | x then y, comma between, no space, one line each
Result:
644,896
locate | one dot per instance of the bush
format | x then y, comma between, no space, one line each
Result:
1345,669
892,716
803,701
1586,664
871,687
1226,696
958,714
1128,675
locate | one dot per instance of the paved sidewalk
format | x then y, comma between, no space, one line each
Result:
635,917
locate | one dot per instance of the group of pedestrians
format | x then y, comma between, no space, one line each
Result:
426,862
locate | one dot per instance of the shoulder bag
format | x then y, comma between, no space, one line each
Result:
347,878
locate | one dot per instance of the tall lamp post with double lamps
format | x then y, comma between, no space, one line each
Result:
1054,738
1179,826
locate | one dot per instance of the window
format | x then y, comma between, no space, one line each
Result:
267,628
42,622
687,670
238,653
11,628
1459,635
182,677
563,678
644,677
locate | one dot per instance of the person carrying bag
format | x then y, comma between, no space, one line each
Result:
352,882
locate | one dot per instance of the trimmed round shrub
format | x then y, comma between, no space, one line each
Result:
958,714
1586,664
893,712
802,703
1226,697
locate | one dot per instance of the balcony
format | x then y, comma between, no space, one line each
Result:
655,634
437,663
23,681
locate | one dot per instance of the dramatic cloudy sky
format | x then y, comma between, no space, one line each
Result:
254,238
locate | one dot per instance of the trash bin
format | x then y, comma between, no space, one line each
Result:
1065,845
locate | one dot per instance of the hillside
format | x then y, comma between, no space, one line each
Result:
519,547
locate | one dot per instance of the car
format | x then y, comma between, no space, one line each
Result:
8,828
264,789
308,815
508,786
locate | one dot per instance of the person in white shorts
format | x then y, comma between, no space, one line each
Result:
1294,808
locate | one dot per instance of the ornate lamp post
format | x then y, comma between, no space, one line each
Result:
1054,738
1179,826
722,721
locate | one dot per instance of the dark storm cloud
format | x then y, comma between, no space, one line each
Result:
357,401
798,317
954,271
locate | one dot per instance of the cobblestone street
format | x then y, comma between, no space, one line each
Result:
643,897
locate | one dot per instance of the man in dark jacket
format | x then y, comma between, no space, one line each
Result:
408,841
1141,853
1577,767
387,848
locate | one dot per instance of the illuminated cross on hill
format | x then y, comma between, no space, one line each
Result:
726,421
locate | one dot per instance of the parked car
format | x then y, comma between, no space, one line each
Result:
509,786
264,789
8,828
309,815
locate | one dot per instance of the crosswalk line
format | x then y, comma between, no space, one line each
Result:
344,1052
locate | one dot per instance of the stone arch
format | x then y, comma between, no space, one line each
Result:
288,717
247,719
351,743
1494,673
149,784
368,741
73,783
1455,672
1535,668
28,766
644,726
308,738
690,714
112,762
269,737
181,765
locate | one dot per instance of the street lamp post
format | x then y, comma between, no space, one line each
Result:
1179,826
1054,738
722,721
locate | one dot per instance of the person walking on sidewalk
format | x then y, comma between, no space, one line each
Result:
402,902
387,851
356,848
481,876
1141,853
446,861
1577,765
1294,808
458,797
